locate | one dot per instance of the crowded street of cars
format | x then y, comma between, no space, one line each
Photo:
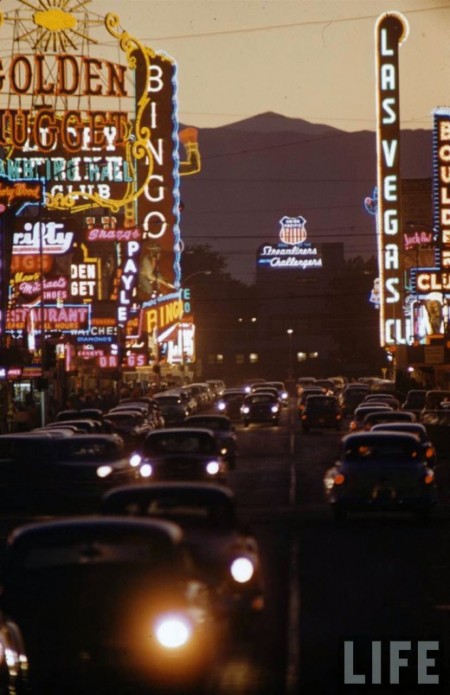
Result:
224,555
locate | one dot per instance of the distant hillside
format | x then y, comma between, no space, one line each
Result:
258,170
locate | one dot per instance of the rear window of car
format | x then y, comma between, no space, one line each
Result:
405,452
179,443
93,450
320,401
262,398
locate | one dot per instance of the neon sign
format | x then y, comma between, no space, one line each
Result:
391,30
441,180
293,251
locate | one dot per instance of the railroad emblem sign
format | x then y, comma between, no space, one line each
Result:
293,230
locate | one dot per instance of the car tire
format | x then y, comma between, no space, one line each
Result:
246,423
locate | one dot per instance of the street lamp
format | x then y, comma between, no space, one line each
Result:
186,280
289,332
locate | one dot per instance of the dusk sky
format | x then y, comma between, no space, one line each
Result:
309,59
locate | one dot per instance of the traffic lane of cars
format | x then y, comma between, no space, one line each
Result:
380,576
252,663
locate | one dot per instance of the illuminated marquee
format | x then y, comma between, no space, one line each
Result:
100,134
391,30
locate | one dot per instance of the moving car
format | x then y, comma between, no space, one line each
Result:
181,453
419,430
260,407
224,431
356,423
372,419
226,554
102,601
230,402
321,412
381,471
282,391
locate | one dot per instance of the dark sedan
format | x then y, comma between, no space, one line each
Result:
224,431
263,407
50,474
321,412
230,402
225,553
181,453
105,601
381,471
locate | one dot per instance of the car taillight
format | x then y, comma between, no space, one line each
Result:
429,478
430,453
339,479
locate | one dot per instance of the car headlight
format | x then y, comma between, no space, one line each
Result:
146,470
242,570
104,471
135,460
284,395
274,409
245,409
173,631
212,468
221,406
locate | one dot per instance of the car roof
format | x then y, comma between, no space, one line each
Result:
374,436
192,490
90,527
400,427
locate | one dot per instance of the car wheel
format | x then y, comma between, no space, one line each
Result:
246,423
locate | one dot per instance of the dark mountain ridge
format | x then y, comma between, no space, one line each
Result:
257,170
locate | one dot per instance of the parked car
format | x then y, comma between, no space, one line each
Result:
321,412
225,553
132,425
435,400
100,602
181,453
381,471
224,431
260,407
51,474
414,401
174,415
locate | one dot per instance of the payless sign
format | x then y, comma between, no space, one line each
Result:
391,30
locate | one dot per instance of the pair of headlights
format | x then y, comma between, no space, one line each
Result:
146,470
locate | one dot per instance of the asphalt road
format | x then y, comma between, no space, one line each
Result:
371,580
